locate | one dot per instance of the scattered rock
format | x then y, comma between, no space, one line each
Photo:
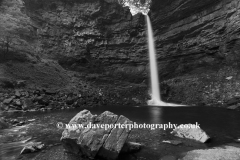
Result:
17,93
20,83
21,123
7,101
174,142
70,100
191,133
43,100
50,92
232,101
32,147
95,141
14,121
18,102
137,101
229,78
130,147
233,107
31,120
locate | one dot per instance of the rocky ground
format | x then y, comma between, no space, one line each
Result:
46,85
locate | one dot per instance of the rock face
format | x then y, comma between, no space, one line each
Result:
96,140
191,133
100,36
185,30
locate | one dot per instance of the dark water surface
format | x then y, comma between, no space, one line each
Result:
222,125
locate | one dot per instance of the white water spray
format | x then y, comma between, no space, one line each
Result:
155,89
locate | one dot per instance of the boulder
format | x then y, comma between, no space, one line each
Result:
227,152
17,93
115,140
32,147
18,102
191,133
233,107
233,101
7,101
95,140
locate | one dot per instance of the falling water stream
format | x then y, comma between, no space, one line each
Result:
155,89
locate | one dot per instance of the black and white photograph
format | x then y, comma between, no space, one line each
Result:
119,80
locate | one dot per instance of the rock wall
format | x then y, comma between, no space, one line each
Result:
189,34
101,39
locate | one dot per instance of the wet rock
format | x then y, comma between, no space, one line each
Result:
20,83
50,92
191,133
137,101
4,107
26,94
130,147
3,123
31,120
21,123
174,142
229,78
18,102
32,147
89,141
14,121
97,140
233,101
7,101
233,107
219,153
17,93
27,104
115,140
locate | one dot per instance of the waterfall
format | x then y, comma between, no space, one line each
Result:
155,89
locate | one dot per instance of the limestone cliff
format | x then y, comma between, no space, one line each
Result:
100,36
188,33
